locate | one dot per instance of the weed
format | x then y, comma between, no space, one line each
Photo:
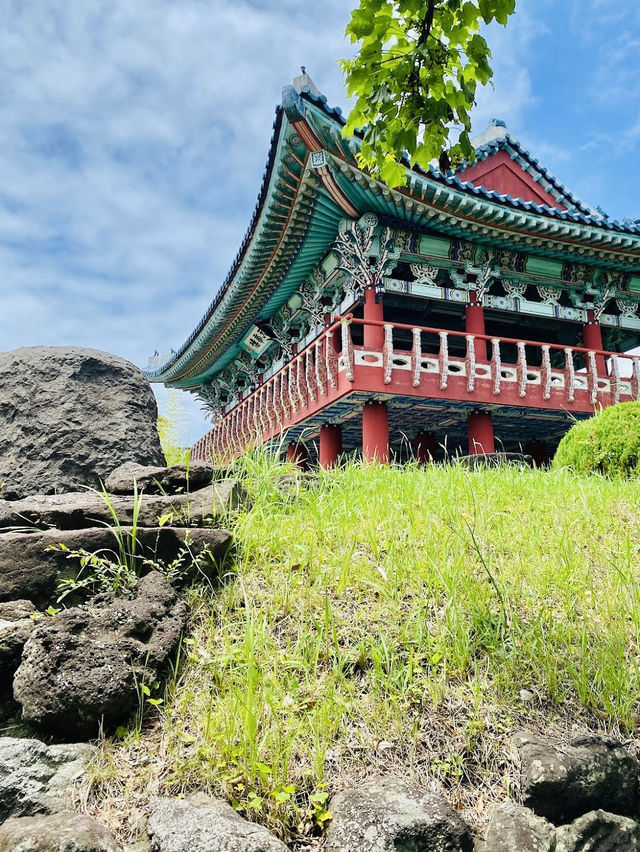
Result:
388,619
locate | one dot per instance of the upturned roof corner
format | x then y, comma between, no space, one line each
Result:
292,104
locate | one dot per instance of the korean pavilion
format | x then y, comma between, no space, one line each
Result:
465,312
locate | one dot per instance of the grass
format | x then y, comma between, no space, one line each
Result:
394,619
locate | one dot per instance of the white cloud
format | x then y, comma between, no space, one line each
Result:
134,134
510,93
133,137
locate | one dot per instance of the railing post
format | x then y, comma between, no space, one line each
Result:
321,376
496,365
309,374
272,410
347,349
291,386
416,357
331,359
373,310
470,362
300,384
592,373
387,354
545,372
443,359
635,380
521,370
615,379
569,374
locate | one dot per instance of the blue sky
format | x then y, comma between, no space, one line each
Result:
133,136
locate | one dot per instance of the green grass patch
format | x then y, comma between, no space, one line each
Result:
399,619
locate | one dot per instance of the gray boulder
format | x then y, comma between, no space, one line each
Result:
39,779
513,827
87,509
599,831
561,782
16,625
389,815
32,565
161,480
83,668
63,832
71,412
178,825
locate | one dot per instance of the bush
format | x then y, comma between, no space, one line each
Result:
608,442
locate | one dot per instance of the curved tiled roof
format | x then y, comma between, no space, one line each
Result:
583,214
274,256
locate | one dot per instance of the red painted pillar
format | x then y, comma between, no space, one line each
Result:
424,447
592,336
474,324
480,430
297,454
330,445
375,432
373,334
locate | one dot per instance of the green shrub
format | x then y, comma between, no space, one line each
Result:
608,442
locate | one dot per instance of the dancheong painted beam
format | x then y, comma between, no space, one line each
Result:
464,311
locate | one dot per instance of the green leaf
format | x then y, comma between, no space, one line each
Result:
255,802
393,173
282,796
320,798
414,87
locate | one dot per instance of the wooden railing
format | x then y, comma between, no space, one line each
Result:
601,375
432,362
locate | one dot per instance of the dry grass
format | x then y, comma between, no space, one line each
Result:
393,620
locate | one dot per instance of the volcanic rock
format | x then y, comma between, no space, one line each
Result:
561,782
63,832
71,412
514,827
80,510
599,831
33,564
84,668
178,825
160,480
389,815
36,778
16,625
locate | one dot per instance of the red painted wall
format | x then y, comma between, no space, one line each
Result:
499,172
